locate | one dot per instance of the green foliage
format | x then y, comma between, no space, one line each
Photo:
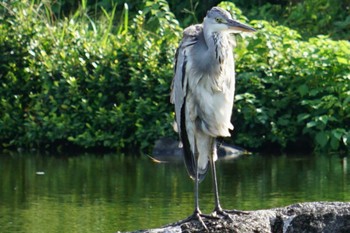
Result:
292,93
326,17
103,81
309,17
77,82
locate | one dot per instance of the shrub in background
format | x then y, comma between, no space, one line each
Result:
292,93
84,82
309,17
75,82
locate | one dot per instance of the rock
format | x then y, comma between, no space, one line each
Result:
167,150
312,217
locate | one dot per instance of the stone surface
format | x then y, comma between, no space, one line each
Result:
311,217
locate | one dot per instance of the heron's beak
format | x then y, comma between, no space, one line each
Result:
239,27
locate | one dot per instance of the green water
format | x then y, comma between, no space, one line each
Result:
111,192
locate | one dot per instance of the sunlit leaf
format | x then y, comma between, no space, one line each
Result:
303,116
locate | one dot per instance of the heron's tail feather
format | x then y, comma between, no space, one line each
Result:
191,164
202,172
189,157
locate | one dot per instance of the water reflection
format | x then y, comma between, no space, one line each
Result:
106,193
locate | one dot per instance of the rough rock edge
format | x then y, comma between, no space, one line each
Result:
325,217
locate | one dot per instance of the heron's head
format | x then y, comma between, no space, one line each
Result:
219,20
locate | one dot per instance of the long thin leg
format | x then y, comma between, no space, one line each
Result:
218,209
215,182
196,185
197,213
196,191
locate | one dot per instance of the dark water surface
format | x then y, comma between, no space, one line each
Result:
111,192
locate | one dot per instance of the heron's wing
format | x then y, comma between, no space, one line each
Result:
179,83
179,92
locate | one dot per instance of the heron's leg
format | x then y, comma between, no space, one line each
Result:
218,209
215,182
197,213
196,183
196,195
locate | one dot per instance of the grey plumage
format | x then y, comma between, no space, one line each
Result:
203,90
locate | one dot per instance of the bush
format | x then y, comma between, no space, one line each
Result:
309,17
74,82
292,93
84,82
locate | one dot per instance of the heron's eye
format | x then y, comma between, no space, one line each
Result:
218,20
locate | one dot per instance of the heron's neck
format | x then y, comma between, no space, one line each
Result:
218,45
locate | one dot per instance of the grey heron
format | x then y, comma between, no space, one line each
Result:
202,91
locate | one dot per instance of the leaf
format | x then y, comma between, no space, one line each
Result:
302,117
322,138
303,89
338,133
334,143
343,60
324,119
311,124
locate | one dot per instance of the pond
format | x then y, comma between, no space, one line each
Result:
115,192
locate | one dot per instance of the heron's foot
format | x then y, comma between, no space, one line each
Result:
198,216
218,211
